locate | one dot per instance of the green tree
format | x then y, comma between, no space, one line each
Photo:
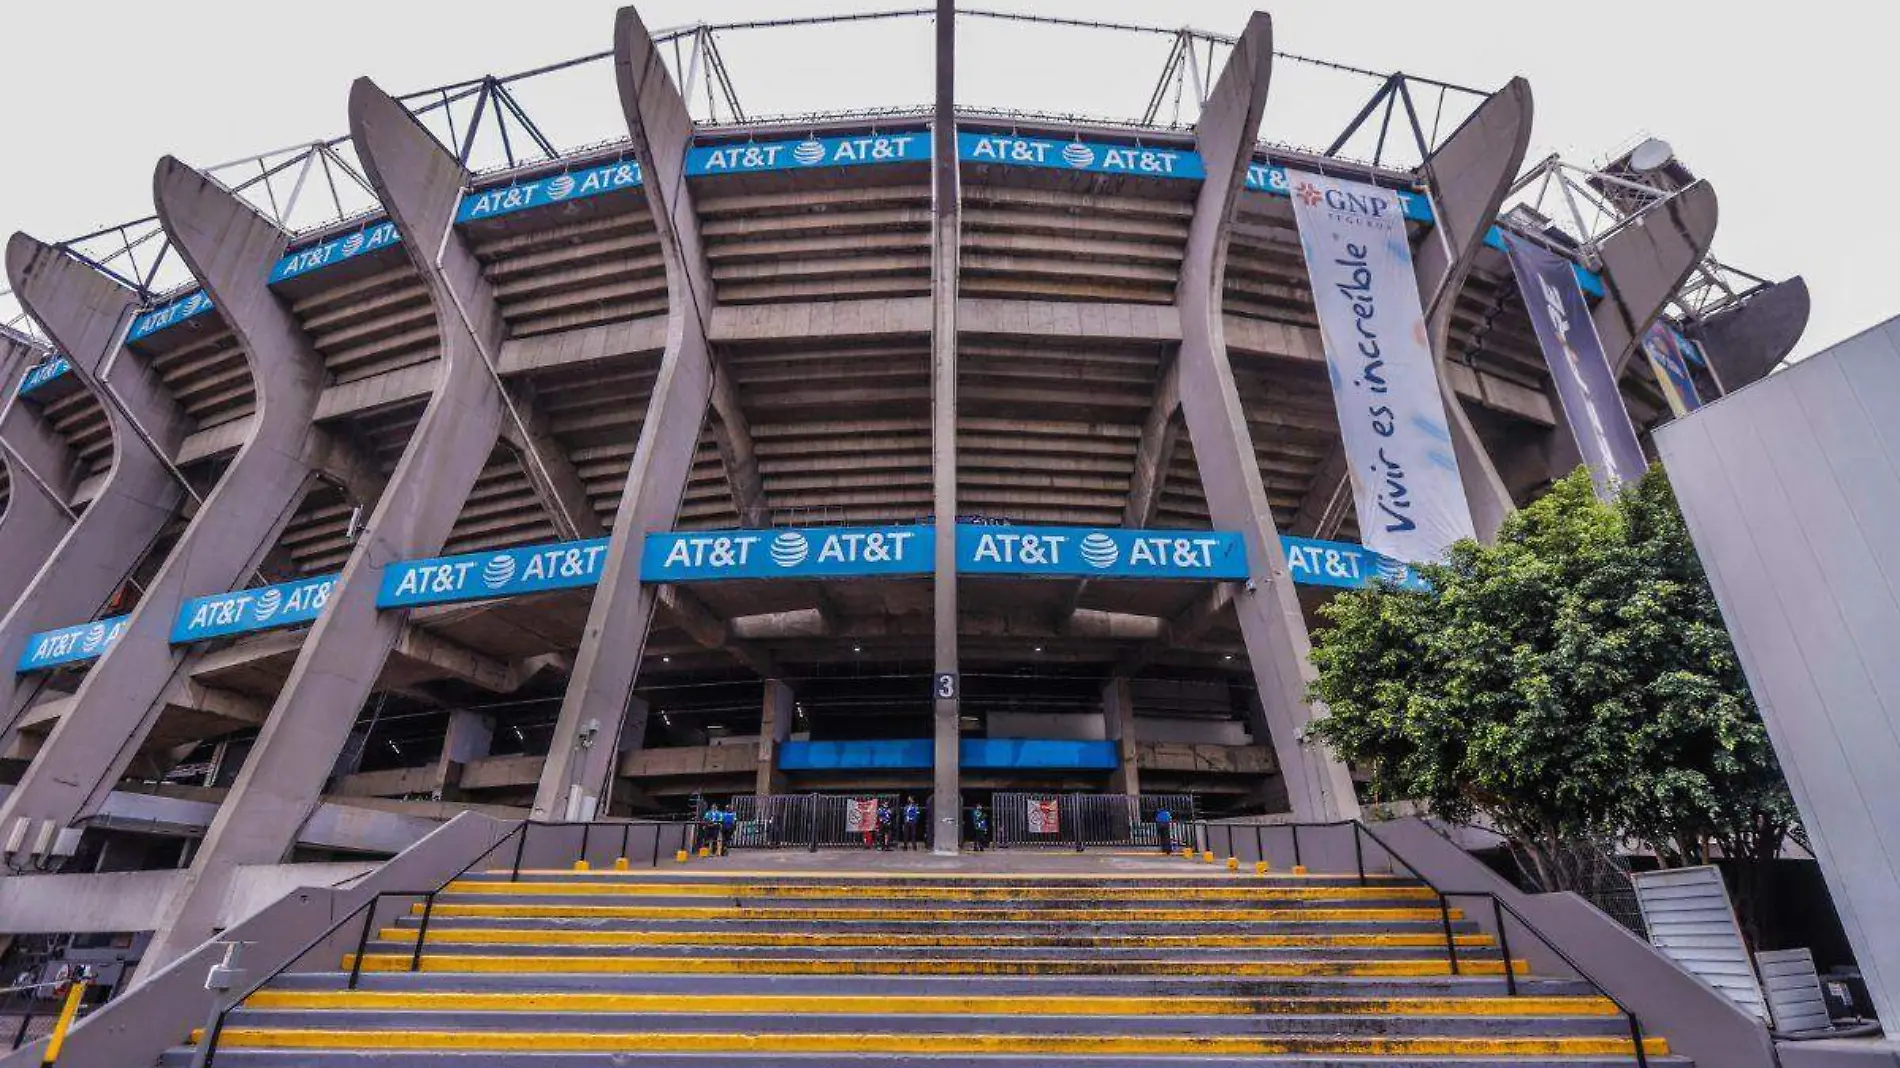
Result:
1574,680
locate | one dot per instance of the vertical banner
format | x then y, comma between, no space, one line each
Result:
1411,503
1586,387
1669,361
1044,817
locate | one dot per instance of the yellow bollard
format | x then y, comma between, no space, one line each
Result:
1207,856
1233,863
74,994
620,864
581,865
680,856
1299,869
1261,867
704,852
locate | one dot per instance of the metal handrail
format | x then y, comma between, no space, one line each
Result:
368,911
1499,908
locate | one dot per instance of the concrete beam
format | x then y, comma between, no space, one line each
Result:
1118,725
621,617
86,314
1328,498
229,248
1154,455
775,726
1645,263
707,630
452,659
1271,621
421,184
1468,178
40,478
945,241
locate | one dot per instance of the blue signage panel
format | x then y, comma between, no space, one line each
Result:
242,611
549,189
814,552
1093,156
194,303
869,753
1038,753
50,368
336,250
72,645
558,565
1107,552
753,156
1311,562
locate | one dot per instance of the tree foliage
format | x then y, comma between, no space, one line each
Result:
1573,680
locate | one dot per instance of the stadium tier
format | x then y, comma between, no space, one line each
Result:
927,451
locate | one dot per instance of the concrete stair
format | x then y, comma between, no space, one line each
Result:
718,968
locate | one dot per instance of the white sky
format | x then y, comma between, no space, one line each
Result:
1784,108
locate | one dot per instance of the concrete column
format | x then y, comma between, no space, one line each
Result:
775,726
1645,262
1118,724
608,662
468,738
946,237
230,249
86,314
1270,620
40,477
421,185
1468,178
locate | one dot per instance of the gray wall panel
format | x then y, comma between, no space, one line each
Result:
1791,488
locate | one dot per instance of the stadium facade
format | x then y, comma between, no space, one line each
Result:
938,452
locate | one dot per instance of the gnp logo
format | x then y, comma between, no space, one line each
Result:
1309,194
1345,202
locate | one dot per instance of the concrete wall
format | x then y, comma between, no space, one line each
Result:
1791,488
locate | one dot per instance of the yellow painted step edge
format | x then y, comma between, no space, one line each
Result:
530,936
528,964
843,877
1127,1045
948,894
834,1004
714,912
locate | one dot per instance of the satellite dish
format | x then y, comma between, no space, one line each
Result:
1652,155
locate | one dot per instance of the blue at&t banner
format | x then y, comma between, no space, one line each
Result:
1093,156
72,645
50,368
1106,552
753,156
335,250
243,611
503,573
814,552
551,189
1311,562
185,307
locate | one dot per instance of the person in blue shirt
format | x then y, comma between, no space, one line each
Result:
728,824
884,825
912,819
715,822
980,827
1164,830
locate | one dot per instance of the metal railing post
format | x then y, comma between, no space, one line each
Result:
626,838
1259,843
586,829
1075,802
362,941
1359,852
422,931
656,846
1504,947
1636,1037
1451,944
811,822
521,844
1297,861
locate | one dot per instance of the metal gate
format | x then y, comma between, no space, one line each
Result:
1078,821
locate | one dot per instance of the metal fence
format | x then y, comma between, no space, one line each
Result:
1079,821
815,821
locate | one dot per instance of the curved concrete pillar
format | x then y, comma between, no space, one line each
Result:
1318,787
40,474
421,185
608,662
1644,264
1468,179
230,249
86,313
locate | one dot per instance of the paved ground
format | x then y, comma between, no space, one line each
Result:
859,862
